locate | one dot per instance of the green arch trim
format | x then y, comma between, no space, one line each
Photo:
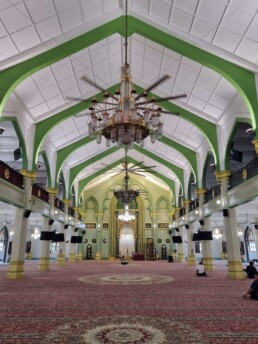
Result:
85,181
46,161
242,79
11,77
19,134
77,169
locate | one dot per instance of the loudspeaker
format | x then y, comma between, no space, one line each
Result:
225,212
26,213
187,227
76,229
50,222
177,229
201,222
256,226
83,232
66,226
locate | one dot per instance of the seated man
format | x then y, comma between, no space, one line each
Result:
252,293
200,270
123,260
250,270
170,258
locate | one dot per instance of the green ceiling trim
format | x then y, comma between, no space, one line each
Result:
179,172
85,181
65,152
46,161
45,126
77,169
13,76
242,79
20,136
74,171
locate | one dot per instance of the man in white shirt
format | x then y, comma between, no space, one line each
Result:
200,270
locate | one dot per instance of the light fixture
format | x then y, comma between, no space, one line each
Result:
217,233
12,231
36,233
126,215
126,117
239,233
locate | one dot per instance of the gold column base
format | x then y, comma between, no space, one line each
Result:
79,257
44,264
16,270
180,258
72,258
191,260
29,256
208,263
235,270
111,258
98,256
223,256
60,259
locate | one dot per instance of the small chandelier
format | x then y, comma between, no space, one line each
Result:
36,233
217,233
126,194
126,215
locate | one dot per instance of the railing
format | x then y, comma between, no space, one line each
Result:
40,193
59,204
194,204
212,193
249,171
71,211
182,212
9,174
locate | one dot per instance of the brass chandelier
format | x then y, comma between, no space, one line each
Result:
126,117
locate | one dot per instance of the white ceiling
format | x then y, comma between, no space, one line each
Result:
227,28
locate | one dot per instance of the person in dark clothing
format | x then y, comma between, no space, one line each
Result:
170,258
250,270
252,293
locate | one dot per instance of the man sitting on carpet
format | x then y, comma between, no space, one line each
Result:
252,293
200,270
250,270
123,260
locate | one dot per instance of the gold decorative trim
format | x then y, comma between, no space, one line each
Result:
200,191
222,174
29,174
244,173
255,143
52,191
7,173
66,201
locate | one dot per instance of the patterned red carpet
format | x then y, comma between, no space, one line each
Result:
142,302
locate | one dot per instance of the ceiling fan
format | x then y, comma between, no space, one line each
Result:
134,169
126,117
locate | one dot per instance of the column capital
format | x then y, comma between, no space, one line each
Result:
186,201
222,175
29,174
177,210
52,191
66,201
76,208
200,191
154,214
99,214
255,143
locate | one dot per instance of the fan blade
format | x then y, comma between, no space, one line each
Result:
161,111
156,83
114,108
92,83
138,174
75,98
162,99
138,163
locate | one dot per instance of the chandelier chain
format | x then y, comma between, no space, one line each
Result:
126,32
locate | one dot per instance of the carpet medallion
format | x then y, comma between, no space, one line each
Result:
126,279
125,330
